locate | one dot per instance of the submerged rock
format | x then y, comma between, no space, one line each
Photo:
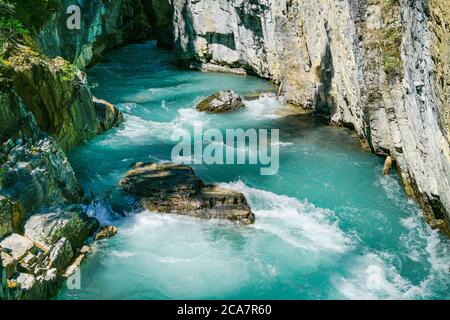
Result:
221,102
171,188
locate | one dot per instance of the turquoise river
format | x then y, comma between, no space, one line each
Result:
329,225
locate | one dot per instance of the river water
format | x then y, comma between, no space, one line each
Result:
329,225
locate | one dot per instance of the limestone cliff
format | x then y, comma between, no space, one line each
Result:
377,66
104,25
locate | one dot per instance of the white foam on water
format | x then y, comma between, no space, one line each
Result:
179,256
263,108
122,254
371,277
164,106
299,224
188,116
173,260
376,276
138,130
127,107
281,144
102,212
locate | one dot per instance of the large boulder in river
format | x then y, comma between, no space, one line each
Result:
171,188
221,102
106,232
107,113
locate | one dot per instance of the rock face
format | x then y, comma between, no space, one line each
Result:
170,188
57,95
38,174
359,62
221,102
108,115
70,222
46,109
11,215
105,24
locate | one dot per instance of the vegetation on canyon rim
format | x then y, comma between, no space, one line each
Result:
19,19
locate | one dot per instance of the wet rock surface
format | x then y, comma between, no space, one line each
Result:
221,102
106,232
11,215
170,188
107,113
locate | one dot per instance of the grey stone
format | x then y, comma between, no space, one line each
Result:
69,222
221,102
171,188
38,174
108,115
18,245
8,263
61,254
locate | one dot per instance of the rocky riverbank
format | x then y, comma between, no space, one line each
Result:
46,109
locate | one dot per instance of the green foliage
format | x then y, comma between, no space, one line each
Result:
6,9
70,230
69,72
3,171
390,45
11,29
34,13
12,25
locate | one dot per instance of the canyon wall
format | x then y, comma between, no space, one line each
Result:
379,67
104,25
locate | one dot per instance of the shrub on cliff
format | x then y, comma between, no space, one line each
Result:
33,13
11,29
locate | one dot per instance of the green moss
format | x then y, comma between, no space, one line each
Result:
69,71
71,230
391,41
34,13
12,25
11,29
3,170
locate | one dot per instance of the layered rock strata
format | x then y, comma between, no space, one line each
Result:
170,188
